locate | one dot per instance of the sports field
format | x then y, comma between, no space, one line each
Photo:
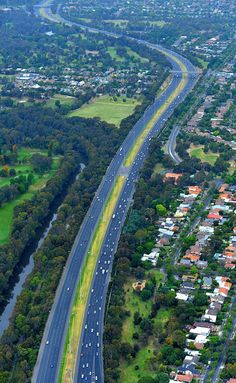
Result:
107,109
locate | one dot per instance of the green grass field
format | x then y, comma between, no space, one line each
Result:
135,55
129,371
118,22
40,180
132,55
113,53
133,303
203,63
64,100
138,367
197,152
162,317
106,109
158,23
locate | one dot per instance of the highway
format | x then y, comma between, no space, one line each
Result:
171,144
89,362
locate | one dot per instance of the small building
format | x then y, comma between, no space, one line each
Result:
152,257
207,282
184,378
139,285
194,190
173,176
182,297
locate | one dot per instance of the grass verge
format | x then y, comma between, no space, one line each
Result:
82,292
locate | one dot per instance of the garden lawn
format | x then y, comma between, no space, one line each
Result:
25,167
197,152
130,373
107,109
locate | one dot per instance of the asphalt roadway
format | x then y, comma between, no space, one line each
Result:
89,366
171,144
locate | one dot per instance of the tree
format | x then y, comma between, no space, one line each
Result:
162,377
161,210
41,163
179,338
146,379
146,325
137,318
141,235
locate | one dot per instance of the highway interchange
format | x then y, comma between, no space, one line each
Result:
89,365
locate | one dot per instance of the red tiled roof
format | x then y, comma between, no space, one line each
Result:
194,190
229,265
192,257
223,291
184,378
214,216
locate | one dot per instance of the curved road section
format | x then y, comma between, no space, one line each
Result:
88,359
171,144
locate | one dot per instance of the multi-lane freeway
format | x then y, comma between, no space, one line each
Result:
88,359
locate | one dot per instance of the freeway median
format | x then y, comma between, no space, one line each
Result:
84,284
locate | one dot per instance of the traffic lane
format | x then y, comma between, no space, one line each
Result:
51,351
87,339
90,343
140,125
102,269
64,301
92,334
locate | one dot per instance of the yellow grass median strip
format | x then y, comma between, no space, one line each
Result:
139,141
77,315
